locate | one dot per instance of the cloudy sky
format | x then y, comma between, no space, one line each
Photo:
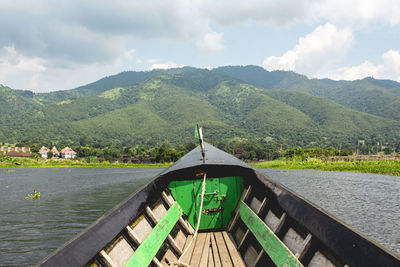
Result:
52,45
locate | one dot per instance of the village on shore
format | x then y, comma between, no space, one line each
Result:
44,152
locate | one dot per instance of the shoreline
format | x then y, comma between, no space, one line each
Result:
389,167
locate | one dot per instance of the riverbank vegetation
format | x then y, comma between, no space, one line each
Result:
258,154
8,162
391,167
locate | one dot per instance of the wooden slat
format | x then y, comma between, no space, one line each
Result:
201,239
245,195
133,235
142,228
206,249
148,249
173,243
306,246
187,241
223,251
263,205
138,241
188,228
260,255
217,259
274,247
106,258
210,255
260,208
188,256
280,223
246,234
235,256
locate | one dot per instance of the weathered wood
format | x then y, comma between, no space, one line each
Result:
148,249
306,246
168,257
138,241
280,224
206,249
274,247
120,251
188,256
293,240
107,260
263,205
260,255
223,251
188,228
169,237
180,239
142,228
245,195
210,255
133,235
217,258
201,239
243,239
246,234
233,251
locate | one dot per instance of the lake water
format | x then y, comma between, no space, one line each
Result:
73,198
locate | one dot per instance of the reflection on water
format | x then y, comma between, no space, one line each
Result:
368,202
73,198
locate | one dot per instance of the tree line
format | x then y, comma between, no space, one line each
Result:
244,149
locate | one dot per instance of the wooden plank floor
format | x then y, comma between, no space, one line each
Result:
213,249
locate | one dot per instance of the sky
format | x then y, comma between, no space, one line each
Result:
50,45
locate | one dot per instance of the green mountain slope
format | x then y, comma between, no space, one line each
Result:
229,102
334,120
376,97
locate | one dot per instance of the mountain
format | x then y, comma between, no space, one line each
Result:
376,97
231,103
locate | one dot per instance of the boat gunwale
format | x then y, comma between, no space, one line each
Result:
335,234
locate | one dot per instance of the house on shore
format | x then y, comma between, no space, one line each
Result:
67,153
56,153
43,152
14,151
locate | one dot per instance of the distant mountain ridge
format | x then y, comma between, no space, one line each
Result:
230,102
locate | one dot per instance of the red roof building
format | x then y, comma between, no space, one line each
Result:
43,152
68,153
55,151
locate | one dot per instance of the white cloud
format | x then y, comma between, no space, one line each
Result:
388,69
13,63
129,54
317,51
211,42
358,13
164,66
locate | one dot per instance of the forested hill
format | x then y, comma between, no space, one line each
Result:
235,102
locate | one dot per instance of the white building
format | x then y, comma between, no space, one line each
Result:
43,152
68,153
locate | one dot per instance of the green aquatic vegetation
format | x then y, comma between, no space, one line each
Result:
34,195
391,167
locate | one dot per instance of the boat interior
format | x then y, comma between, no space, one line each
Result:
246,219
239,226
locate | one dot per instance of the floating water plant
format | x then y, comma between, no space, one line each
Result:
34,195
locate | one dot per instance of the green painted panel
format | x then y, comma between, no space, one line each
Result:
148,249
222,195
274,247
